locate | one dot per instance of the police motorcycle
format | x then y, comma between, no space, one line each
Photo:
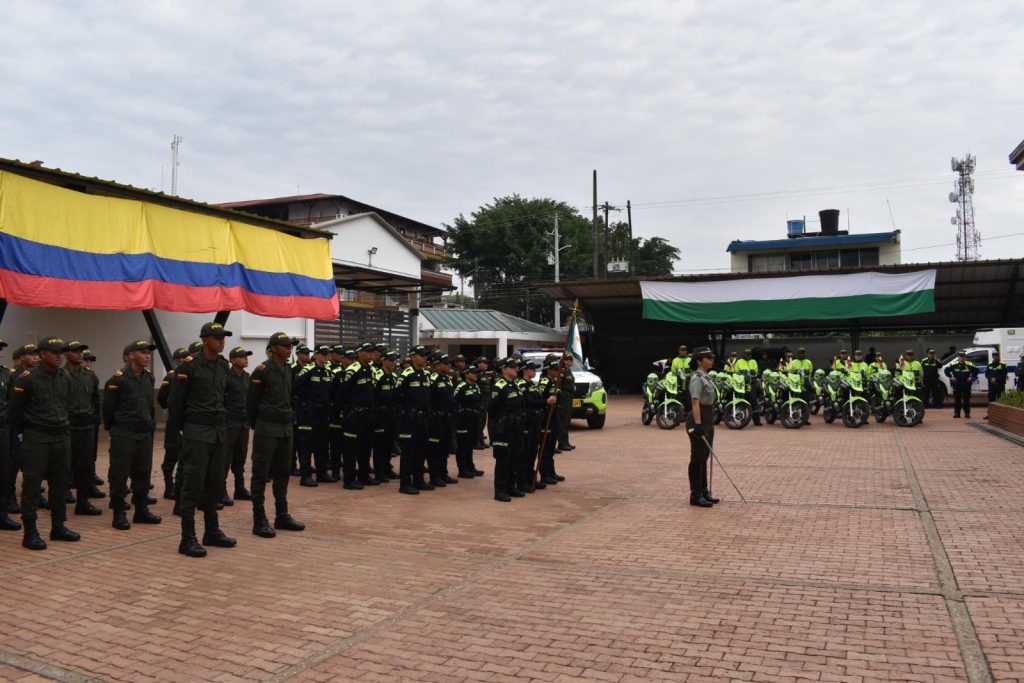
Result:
832,398
791,407
670,411
651,399
818,391
732,406
771,388
854,406
881,388
907,407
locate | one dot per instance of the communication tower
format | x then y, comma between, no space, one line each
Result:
968,239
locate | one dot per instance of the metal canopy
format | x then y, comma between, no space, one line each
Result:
972,294
365,279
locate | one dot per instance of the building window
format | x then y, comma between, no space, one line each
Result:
869,257
766,263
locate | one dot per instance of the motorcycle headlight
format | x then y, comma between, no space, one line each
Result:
594,386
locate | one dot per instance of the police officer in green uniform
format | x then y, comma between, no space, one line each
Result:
385,420
996,373
39,413
25,357
567,391
413,394
238,424
269,411
505,417
700,427
468,399
442,404
962,375
549,388
930,380
196,407
84,415
355,394
130,418
172,438
6,523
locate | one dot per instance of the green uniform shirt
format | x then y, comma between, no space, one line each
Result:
269,399
234,397
567,387
196,404
747,366
128,410
84,403
5,388
39,407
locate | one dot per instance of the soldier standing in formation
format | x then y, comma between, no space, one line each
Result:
548,387
701,428
269,409
197,409
172,437
6,523
39,413
385,419
930,375
355,396
468,399
567,391
505,416
962,375
442,404
83,415
413,392
996,373
485,378
313,403
747,366
25,357
238,425
129,415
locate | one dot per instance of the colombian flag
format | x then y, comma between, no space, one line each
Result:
61,248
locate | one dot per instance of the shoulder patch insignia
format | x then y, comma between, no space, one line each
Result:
25,373
118,373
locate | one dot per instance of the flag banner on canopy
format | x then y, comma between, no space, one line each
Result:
61,248
802,297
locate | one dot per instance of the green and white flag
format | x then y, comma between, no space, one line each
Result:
575,342
801,297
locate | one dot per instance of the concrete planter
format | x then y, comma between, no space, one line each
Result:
1006,417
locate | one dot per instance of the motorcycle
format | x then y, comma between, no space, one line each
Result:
771,387
793,410
670,408
854,406
881,387
832,399
733,405
651,399
818,391
907,407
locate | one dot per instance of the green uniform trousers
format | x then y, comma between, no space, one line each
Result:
202,464
49,461
238,450
130,456
271,461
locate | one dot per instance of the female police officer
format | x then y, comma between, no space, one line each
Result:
700,425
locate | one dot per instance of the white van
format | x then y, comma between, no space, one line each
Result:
1008,341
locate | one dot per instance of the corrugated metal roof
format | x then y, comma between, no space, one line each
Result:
480,320
811,242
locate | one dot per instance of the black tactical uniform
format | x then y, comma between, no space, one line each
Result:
996,373
413,393
567,391
336,423
505,416
962,375
313,402
196,407
39,412
269,408
6,523
355,393
442,404
302,355
14,445
930,381
385,422
486,380
129,415
172,437
549,386
83,415
468,401
533,423
238,427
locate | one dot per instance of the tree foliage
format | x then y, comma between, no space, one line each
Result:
505,248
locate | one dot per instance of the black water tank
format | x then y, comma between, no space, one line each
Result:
829,221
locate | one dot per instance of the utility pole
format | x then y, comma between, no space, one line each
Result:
557,249
175,144
594,226
605,273
629,221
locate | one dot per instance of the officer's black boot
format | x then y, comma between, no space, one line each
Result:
143,515
120,520
83,506
212,534
32,540
189,545
260,526
8,524
59,532
97,480
284,521
697,498
501,496
169,485
241,493
709,498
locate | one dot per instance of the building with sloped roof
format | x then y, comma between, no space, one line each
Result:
482,332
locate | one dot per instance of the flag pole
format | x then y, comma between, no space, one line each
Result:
551,408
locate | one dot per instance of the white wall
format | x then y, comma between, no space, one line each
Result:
108,332
357,236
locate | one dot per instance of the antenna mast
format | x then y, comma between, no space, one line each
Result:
175,144
968,239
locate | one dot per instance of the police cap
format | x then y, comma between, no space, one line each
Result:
338,349
420,350
24,349
471,370
443,358
323,350
52,344
89,356
390,355
551,364
703,352
350,354
482,359
213,329
380,346
366,346
77,346
303,350
179,353
195,347
530,365
858,352
931,350
908,352
140,345
961,352
238,352
280,339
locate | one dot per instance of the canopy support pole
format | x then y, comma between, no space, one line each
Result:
221,318
3,309
855,334
157,333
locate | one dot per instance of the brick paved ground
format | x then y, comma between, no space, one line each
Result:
870,554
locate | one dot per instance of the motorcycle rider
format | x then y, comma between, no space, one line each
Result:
842,361
858,364
908,362
962,374
748,366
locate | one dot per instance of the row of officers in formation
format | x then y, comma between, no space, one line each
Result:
962,373
332,414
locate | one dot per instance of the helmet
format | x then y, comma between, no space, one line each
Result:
819,373
884,374
713,374
653,377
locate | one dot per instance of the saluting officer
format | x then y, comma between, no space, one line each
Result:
355,393
442,403
39,413
6,523
172,437
269,410
549,388
313,400
468,399
996,374
413,393
129,415
962,375
196,407
505,416
84,415
385,421
238,424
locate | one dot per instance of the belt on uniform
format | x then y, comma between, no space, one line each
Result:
49,431
82,422
133,426
276,419
208,420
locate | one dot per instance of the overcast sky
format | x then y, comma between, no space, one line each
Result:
430,109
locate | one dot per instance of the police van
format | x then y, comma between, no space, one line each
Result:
1008,341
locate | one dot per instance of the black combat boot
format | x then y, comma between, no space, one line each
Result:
212,535
94,492
710,498
241,493
59,532
697,498
120,520
260,526
502,497
32,540
169,486
98,480
144,516
284,521
8,524
189,545
309,481
84,507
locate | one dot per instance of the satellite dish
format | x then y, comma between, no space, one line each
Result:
953,220
954,198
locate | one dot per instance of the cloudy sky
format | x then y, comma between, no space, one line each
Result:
430,109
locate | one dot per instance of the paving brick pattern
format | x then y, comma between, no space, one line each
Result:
831,572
